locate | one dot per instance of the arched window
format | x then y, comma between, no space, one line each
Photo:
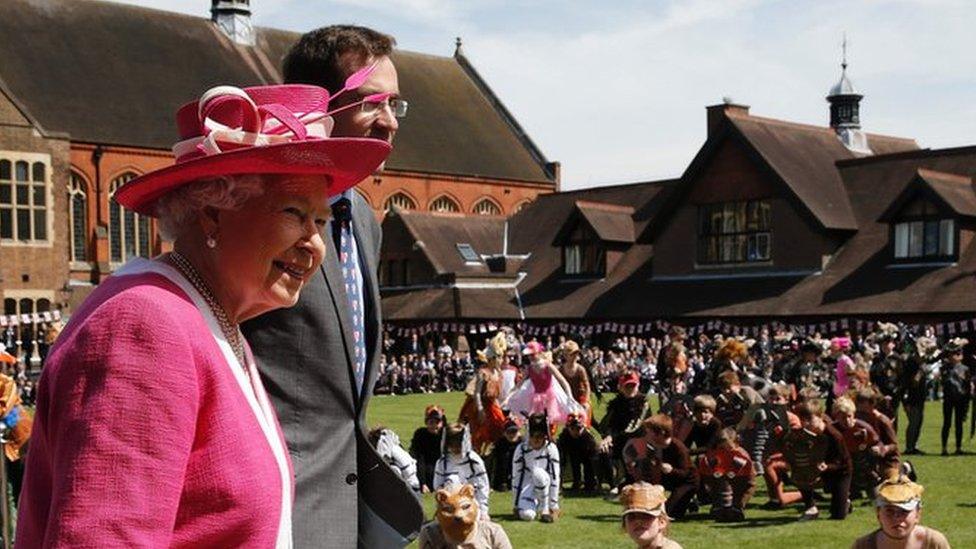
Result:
23,199
486,206
518,207
77,218
128,232
400,200
444,203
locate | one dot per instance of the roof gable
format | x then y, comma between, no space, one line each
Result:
610,222
952,192
438,234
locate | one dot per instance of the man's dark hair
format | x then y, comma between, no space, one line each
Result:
324,56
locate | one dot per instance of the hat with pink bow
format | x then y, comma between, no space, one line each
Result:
281,129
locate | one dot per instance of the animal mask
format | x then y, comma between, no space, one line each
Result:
457,512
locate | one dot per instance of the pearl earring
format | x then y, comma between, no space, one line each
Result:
211,242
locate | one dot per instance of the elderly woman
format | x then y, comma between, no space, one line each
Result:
152,426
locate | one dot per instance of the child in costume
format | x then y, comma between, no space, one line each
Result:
645,519
622,421
459,464
425,446
458,523
481,409
817,456
728,476
575,374
502,452
536,474
899,510
863,444
579,449
659,458
545,390
387,445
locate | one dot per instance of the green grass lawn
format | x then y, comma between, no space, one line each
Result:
950,499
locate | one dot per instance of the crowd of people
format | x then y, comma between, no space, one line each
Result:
813,417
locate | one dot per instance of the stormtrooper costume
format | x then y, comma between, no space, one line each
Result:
466,468
536,475
402,463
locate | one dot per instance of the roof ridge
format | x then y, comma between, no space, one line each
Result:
925,173
806,126
926,152
605,206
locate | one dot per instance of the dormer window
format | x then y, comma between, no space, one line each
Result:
924,220
734,232
928,238
584,254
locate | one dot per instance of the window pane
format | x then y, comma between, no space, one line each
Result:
915,238
947,237
901,240
5,169
23,195
21,171
79,227
38,172
931,238
6,193
6,223
115,230
129,233
40,195
40,224
23,224
143,236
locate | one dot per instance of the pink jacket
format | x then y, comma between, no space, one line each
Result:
143,436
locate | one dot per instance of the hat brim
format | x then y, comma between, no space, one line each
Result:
345,160
652,512
910,505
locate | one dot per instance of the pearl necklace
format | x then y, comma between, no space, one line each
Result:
229,329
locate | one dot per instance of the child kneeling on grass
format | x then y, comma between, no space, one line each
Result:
536,474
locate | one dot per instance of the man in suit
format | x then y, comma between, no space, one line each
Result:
319,359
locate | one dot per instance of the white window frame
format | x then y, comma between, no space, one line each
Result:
49,211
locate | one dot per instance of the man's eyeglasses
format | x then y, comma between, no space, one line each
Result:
397,106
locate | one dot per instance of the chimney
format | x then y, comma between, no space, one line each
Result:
716,114
233,18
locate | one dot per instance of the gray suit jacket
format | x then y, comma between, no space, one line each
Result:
346,495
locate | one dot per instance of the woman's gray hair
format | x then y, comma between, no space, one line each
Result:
176,208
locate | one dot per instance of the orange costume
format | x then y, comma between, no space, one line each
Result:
486,387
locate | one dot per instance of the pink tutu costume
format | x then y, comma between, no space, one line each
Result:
540,393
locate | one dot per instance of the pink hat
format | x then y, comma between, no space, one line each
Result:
533,348
281,129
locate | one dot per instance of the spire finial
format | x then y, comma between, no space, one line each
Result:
457,46
843,63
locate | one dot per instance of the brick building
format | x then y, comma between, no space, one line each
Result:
773,221
88,93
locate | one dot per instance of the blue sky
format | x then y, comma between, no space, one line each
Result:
616,90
